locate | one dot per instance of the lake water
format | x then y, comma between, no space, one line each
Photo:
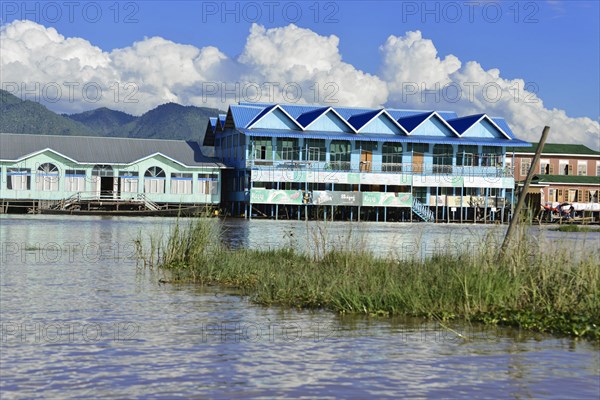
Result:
79,320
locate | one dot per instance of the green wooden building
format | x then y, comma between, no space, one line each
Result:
45,168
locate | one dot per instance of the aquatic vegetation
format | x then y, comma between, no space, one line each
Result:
533,287
575,228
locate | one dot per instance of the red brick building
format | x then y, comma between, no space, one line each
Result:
565,173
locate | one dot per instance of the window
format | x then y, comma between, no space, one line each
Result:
597,168
102,170
392,157
582,168
546,167
551,195
467,156
208,184
18,179
442,158
154,180
490,156
75,180
564,168
129,181
287,149
525,165
340,153
181,183
263,149
46,179
315,149
367,146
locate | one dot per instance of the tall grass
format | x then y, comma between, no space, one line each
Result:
532,287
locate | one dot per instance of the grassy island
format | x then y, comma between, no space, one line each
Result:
546,290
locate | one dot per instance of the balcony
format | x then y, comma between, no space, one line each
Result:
392,168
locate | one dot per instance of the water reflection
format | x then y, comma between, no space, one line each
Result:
77,320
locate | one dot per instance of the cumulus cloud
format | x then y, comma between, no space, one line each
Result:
310,65
286,64
417,77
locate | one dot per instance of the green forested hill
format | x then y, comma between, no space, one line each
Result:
167,121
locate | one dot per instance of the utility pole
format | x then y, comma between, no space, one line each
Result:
517,213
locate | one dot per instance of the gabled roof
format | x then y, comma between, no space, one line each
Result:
462,125
320,113
415,121
209,135
502,124
301,116
411,122
308,117
103,150
269,110
243,115
359,121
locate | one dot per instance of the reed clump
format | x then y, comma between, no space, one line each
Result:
532,287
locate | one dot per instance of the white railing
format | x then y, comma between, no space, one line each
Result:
422,211
108,196
370,167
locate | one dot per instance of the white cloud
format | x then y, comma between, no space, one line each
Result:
155,70
412,69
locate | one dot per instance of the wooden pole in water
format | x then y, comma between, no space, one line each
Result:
517,213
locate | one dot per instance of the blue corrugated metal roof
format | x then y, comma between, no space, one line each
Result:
306,118
397,114
410,123
212,121
261,114
246,114
460,125
502,124
242,115
384,137
447,115
359,120
296,110
222,118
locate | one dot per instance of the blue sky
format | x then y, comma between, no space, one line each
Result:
550,43
552,46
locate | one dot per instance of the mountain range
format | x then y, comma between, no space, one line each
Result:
167,121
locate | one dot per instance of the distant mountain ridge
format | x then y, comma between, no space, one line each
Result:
102,120
167,121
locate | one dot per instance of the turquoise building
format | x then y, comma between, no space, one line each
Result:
48,168
303,161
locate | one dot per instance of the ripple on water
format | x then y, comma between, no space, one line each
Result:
84,323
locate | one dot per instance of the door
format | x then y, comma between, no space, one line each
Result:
417,162
365,161
106,187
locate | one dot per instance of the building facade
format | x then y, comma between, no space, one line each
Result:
297,161
51,168
566,173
